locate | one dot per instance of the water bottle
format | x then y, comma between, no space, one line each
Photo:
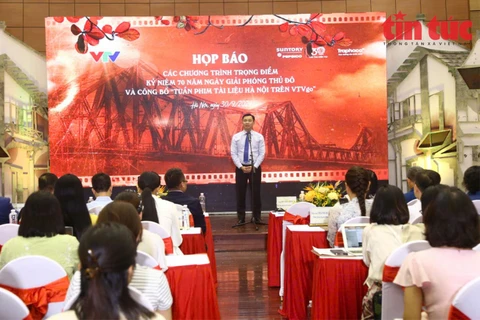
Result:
185,217
301,197
202,201
13,216
90,199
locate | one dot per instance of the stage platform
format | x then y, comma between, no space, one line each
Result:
244,238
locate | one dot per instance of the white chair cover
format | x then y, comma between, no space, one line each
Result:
418,219
11,307
355,220
476,203
299,209
32,272
392,294
414,210
466,299
155,228
7,232
144,259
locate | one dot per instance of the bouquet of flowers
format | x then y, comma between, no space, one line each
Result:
162,191
323,194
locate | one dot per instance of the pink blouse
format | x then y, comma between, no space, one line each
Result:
440,273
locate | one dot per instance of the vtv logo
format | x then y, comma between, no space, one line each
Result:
105,56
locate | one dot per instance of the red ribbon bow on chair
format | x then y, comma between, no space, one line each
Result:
296,219
455,314
389,273
37,299
168,245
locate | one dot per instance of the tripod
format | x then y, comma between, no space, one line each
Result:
252,190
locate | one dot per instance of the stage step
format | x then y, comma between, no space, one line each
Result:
244,238
255,241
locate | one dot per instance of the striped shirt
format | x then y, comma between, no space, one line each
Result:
150,282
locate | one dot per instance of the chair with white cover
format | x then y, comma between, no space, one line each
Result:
414,210
7,232
146,260
162,232
355,220
30,272
11,307
418,219
465,303
392,294
476,203
301,209
134,293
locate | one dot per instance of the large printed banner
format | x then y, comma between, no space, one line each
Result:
129,94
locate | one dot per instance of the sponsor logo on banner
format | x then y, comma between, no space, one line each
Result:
105,56
318,53
350,52
290,53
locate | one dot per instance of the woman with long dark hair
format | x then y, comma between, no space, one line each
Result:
158,210
69,192
356,184
41,233
389,229
107,258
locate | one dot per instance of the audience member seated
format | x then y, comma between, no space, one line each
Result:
102,190
107,262
411,173
5,209
423,180
69,192
388,231
158,210
41,233
177,185
356,184
130,215
432,277
471,182
47,181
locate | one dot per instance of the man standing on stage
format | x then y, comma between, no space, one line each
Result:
245,145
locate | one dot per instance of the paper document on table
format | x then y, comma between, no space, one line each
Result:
322,252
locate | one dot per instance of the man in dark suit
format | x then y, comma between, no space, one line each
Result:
177,185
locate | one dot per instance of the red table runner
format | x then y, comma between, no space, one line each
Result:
299,262
338,288
274,248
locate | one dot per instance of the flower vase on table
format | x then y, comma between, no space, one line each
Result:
324,196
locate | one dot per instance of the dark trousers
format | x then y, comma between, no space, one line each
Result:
253,181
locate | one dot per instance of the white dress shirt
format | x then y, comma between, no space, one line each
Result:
238,146
96,206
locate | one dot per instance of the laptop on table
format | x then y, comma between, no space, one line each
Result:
352,238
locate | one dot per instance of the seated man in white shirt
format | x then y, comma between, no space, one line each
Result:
102,190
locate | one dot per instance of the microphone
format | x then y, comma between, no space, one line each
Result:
249,135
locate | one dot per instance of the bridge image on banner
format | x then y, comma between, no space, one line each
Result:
107,127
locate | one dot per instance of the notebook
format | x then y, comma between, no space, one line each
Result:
352,238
